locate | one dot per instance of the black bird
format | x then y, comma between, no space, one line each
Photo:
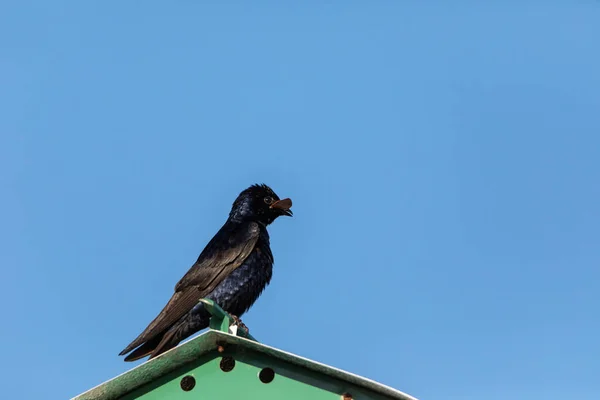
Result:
232,270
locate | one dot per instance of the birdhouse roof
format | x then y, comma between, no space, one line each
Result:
222,364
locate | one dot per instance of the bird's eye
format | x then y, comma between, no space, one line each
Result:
268,200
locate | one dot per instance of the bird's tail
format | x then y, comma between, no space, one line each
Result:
166,340
145,349
156,345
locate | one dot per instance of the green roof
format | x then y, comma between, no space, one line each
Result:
223,365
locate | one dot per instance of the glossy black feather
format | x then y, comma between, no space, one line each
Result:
225,252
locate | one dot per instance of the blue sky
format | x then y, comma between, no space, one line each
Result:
442,159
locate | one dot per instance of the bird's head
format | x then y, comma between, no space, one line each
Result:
261,204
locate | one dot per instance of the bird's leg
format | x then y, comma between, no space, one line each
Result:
238,322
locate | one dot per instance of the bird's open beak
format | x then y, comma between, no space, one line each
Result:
283,206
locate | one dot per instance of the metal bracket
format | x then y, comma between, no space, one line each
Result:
221,321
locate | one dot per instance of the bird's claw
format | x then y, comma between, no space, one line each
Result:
238,322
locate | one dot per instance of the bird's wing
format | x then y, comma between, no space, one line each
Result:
227,252
210,269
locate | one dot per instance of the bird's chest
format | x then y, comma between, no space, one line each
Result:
241,288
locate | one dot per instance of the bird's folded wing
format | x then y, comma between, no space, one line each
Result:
179,304
200,280
225,256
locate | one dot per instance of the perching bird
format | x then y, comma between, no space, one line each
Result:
232,270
